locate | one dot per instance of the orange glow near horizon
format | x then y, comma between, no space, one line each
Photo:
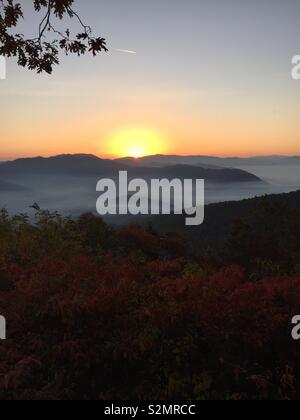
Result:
217,98
125,129
135,142
163,134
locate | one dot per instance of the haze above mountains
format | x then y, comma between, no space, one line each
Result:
67,183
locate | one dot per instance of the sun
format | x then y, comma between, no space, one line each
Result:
136,142
136,154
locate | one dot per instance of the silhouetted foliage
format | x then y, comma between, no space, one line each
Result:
267,240
42,53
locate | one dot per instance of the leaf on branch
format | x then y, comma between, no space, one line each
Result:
38,54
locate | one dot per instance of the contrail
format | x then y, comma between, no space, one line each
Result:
124,51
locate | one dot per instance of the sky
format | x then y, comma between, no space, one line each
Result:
208,77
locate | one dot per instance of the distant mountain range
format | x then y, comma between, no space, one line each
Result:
79,164
89,165
210,161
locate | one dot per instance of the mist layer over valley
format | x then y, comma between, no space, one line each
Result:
68,183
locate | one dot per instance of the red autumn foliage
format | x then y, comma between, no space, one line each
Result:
121,320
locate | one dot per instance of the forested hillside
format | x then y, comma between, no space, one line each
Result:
97,313
220,218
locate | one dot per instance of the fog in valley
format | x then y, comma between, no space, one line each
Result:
71,195
277,179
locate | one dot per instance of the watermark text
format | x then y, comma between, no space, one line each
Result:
2,68
296,67
154,197
2,328
296,328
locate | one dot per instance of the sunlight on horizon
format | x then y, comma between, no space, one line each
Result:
135,142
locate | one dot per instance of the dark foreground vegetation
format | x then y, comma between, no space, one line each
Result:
94,313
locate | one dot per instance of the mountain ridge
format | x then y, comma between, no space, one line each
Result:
212,161
91,165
